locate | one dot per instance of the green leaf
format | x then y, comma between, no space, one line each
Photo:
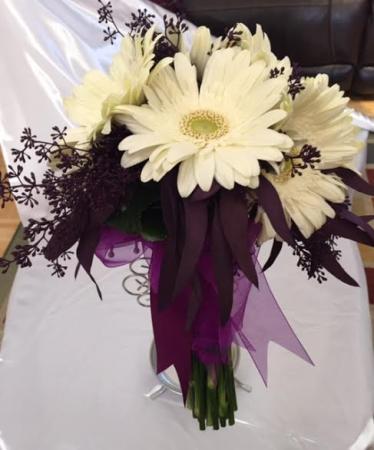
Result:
142,215
125,221
152,225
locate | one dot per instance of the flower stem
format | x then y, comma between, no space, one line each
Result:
212,397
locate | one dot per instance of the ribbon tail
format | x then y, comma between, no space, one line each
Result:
66,234
92,279
348,230
235,223
270,201
275,251
264,322
196,225
362,222
368,218
173,341
353,180
223,268
169,269
332,266
195,302
86,251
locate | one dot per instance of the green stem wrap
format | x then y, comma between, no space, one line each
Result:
212,396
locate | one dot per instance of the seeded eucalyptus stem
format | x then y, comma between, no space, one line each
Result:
212,396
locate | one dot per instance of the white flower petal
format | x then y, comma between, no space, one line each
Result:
201,46
305,198
241,179
302,222
270,154
159,67
186,178
224,174
128,160
266,137
147,173
166,88
204,168
180,151
319,118
136,142
107,128
254,182
240,160
186,76
270,118
78,137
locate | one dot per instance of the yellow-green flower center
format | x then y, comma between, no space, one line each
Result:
285,173
287,167
204,124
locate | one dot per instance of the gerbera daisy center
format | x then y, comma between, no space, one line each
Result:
285,173
204,124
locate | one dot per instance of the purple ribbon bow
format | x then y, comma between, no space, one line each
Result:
256,318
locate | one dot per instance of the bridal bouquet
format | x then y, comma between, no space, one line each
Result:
195,155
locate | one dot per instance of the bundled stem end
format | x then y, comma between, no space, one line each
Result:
212,396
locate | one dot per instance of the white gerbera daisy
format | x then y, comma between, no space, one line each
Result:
305,200
219,131
93,103
319,117
259,46
204,45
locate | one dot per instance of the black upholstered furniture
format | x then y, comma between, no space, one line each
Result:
332,36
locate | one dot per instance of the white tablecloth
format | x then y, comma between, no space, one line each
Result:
74,371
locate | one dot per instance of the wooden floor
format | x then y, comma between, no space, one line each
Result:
9,218
364,106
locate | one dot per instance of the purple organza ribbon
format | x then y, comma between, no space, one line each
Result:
256,318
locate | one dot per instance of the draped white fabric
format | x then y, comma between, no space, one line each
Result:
74,371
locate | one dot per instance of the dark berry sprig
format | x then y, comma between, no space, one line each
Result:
45,150
58,267
169,42
233,37
308,157
84,182
312,251
105,13
295,83
174,28
140,22
20,187
277,72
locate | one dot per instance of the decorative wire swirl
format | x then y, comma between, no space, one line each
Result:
137,284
